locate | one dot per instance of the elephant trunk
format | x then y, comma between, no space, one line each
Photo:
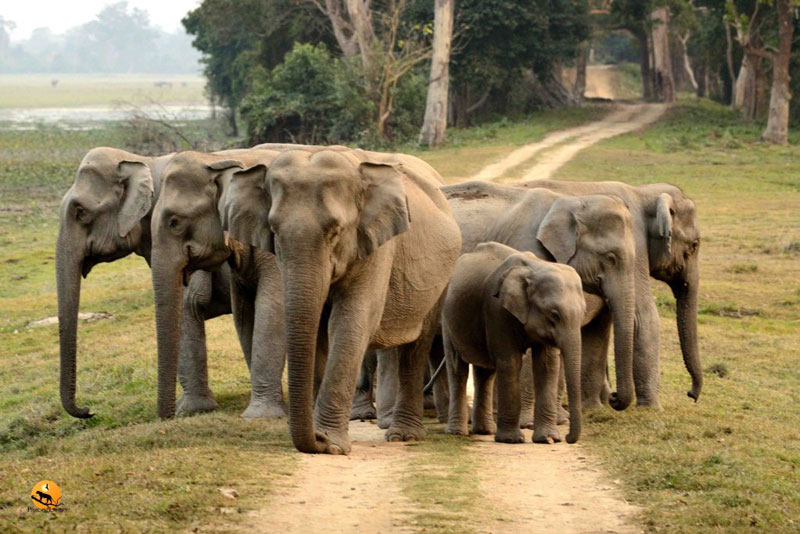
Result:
621,300
305,291
168,291
69,262
685,291
570,347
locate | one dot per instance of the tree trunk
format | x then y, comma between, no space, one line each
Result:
644,62
664,80
742,82
777,130
580,72
729,63
435,124
361,17
687,64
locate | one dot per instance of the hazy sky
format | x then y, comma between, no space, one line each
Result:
60,15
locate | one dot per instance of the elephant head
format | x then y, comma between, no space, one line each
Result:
187,236
328,212
673,247
104,217
593,234
547,298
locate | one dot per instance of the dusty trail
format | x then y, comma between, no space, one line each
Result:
548,488
341,494
566,143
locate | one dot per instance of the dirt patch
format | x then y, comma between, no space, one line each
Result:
548,488
355,493
88,317
566,143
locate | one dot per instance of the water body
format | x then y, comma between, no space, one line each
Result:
83,118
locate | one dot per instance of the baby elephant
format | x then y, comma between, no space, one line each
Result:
500,303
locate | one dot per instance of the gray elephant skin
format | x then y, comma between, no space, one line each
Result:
365,243
667,240
591,233
500,303
104,216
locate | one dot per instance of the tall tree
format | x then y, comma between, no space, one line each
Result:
662,59
777,130
435,123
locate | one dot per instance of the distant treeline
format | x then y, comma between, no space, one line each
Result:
118,40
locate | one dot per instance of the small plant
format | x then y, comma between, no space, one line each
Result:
743,268
719,369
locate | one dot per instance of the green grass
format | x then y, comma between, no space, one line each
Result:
74,90
731,461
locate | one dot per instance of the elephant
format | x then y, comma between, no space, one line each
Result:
365,243
104,216
501,302
591,233
667,240
187,236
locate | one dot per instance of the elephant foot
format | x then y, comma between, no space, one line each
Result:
363,410
563,416
509,435
259,409
332,442
457,429
385,421
442,417
484,428
593,404
546,434
193,404
405,433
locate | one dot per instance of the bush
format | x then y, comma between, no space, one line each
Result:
313,97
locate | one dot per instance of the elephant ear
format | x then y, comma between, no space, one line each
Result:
245,209
511,288
558,231
385,210
663,226
138,196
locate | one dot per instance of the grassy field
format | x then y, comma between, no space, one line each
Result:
728,462
75,90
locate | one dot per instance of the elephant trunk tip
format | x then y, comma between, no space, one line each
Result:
80,413
618,401
572,437
694,393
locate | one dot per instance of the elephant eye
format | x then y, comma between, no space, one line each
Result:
174,223
555,316
82,215
612,258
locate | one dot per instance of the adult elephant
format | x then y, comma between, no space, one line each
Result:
591,233
366,244
667,242
104,216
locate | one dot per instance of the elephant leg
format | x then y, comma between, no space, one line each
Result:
440,387
545,375
362,408
268,353
646,364
457,376
386,393
199,304
508,398
412,361
563,414
526,392
349,328
483,405
595,337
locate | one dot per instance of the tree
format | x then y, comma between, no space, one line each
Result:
435,123
242,39
664,81
777,130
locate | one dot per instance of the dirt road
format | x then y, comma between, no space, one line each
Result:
525,488
559,147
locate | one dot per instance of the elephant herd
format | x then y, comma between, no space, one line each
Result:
325,254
